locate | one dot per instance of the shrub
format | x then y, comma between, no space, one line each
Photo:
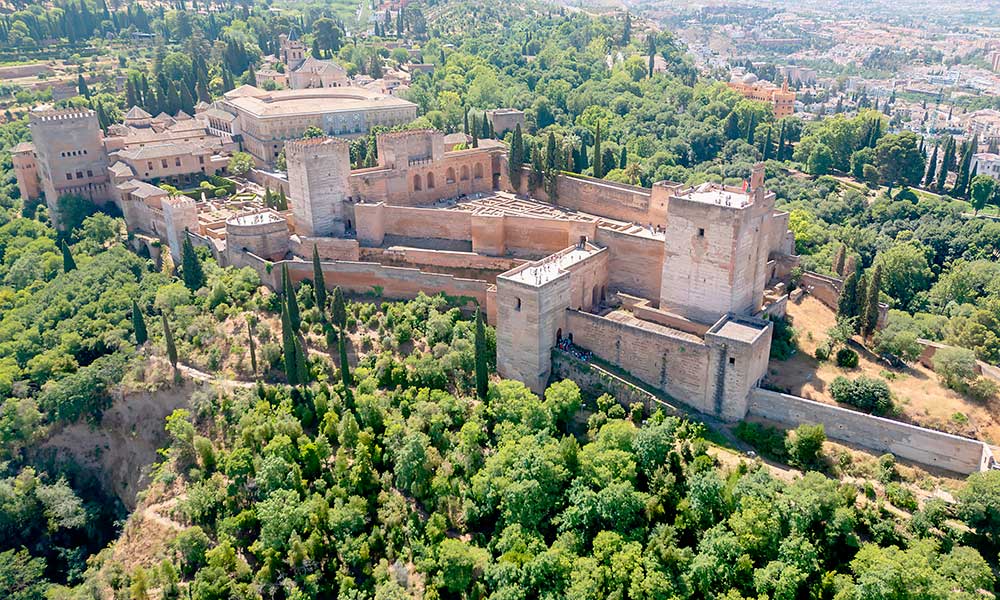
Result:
822,352
783,340
867,393
955,366
981,389
901,497
847,358
804,446
768,441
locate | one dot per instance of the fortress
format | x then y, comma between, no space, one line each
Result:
670,284
667,289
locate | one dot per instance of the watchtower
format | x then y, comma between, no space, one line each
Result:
70,155
319,172
717,244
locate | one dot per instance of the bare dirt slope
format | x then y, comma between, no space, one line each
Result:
120,450
921,398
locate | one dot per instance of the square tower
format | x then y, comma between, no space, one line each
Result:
71,159
717,244
319,173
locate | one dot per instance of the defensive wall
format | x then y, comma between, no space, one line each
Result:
909,442
365,278
635,262
494,235
671,361
610,199
596,380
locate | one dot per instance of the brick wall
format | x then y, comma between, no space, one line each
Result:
917,444
595,381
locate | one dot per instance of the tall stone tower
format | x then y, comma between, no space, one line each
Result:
70,154
531,313
319,182
716,251
291,51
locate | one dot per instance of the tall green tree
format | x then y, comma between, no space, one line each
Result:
138,324
598,157
516,158
288,346
339,309
291,302
869,319
191,269
847,303
68,263
168,338
301,363
253,348
482,374
345,369
319,283
947,160
931,167
980,191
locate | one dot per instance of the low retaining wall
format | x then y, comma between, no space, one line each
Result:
909,442
596,381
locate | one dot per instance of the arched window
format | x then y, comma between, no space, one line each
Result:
465,172
430,181
478,171
450,175
417,186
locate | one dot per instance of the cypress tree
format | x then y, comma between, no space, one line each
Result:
138,325
339,309
732,127
780,152
847,304
319,284
81,87
168,338
475,132
652,55
946,161
194,275
253,348
869,320
551,155
465,122
482,375
598,159
623,158
301,364
68,263
838,259
931,167
860,298
288,347
767,144
750,128
290,300
345,370
516,158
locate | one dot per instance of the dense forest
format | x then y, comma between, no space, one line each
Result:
413,471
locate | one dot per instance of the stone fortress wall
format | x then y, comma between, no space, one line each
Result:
666,286
917,444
